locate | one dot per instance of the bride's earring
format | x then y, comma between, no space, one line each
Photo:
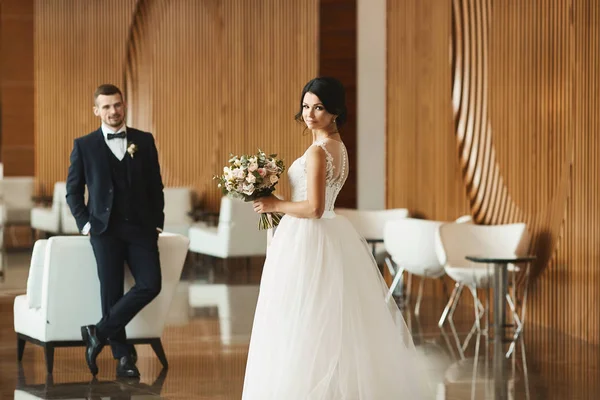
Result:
334,123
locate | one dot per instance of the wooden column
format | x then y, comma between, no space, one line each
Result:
337,58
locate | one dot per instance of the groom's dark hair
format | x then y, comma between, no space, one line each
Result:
107,89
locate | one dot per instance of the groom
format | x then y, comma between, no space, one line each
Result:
123,217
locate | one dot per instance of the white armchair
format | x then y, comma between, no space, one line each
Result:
370,224
237,234
17,192
68,225
48,219
63,269
178,202
411,244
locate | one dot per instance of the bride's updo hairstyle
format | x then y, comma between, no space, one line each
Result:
332,94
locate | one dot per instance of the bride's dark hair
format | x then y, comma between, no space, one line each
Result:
332,94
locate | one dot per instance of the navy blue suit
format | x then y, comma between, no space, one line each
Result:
125,207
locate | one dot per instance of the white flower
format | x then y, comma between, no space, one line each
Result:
238,162
248,189
273,179
239,173
251,178
252,167
131,149
226,170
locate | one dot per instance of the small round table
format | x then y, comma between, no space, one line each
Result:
500,286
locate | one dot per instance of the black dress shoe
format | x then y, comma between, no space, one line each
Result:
93,347
126,368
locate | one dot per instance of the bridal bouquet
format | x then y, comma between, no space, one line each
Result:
249,177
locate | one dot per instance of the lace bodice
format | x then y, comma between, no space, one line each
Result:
336,158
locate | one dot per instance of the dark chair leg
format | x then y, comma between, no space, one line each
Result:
20,348
49,352
160,352
21,379
33,236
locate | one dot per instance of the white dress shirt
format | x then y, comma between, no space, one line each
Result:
117,145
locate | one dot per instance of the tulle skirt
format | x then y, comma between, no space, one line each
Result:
322,329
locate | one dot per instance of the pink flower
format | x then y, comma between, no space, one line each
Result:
262,172
274,178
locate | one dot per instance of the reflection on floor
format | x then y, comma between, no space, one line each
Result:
207,336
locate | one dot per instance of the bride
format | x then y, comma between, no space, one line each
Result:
322,329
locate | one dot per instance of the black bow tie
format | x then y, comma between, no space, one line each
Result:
120,135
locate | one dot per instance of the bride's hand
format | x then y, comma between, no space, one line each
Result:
265,204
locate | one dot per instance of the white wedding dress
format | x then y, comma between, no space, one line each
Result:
322,329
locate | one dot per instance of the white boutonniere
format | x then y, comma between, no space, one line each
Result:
131,149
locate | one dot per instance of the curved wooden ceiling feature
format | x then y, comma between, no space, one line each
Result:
491,198
523,98
488,195
145,24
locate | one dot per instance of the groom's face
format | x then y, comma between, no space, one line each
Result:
111,109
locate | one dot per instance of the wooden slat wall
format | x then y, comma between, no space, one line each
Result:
423,172
521,86
16,87
579,251
205,77
78,46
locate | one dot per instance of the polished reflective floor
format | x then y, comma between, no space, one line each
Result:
206,342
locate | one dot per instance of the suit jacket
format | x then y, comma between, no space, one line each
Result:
90,166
